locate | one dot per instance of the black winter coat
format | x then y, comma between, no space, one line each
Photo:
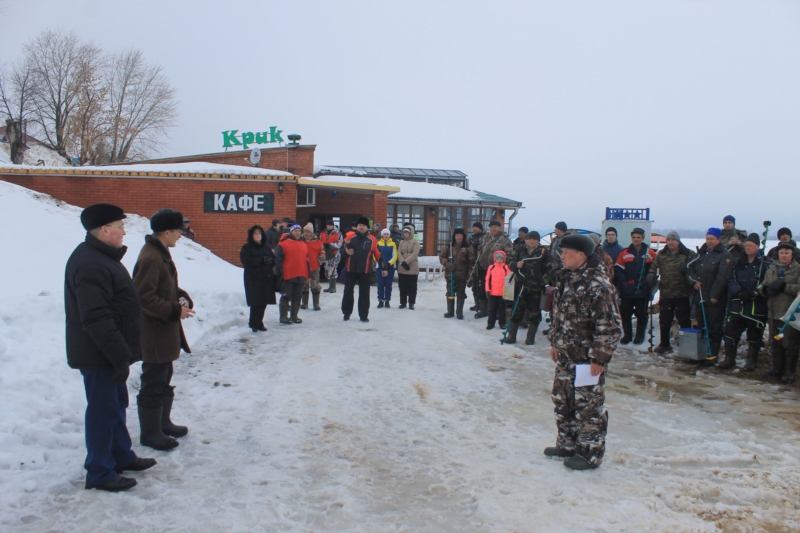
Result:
745,298
712,268
102,308
258,261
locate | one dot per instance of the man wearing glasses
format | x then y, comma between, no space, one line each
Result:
102,340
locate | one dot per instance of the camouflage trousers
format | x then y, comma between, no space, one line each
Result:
313,282
528,305
460,289
581,416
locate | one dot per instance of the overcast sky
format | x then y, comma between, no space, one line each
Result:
691,108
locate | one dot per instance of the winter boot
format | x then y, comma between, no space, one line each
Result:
790,369
315,297
483,309
554,451
387,304
664,346
296,309
712,359
304,305
730,357
531,336
752,357
283,307
577,462
331,286
641,328
380,304
451,304
511,334
151,434
460,309
474,307
778,363
167,426
627,328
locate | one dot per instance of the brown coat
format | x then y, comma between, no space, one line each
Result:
156,280
408,251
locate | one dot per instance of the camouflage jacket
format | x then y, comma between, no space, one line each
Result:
489,245
463,259
790,274
539,269
672,269
586,322
734,249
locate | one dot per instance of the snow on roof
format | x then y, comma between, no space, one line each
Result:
171,168
411,189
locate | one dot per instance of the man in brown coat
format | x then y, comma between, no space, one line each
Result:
164,305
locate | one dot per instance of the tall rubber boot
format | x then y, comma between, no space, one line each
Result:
331,286
283,307
511,335
730,357
304,305
451,304
530,338
713,359
790,369
167,426
295,310
315,298
151,433
627,329
641,329
752,357
778,363
483,309
664,346
460,308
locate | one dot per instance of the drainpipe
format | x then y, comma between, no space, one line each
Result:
516,210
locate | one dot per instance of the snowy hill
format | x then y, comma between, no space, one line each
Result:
33,155
411,422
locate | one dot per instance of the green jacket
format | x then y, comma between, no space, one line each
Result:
779,304
672,269
539,269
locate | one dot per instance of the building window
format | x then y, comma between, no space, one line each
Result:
408,214
449,218
484,216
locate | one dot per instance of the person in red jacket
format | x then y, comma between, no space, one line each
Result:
495,280
315,253
291,256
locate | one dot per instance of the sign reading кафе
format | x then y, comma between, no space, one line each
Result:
229,138
238,202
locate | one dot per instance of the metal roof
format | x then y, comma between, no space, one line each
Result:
486,197
396,172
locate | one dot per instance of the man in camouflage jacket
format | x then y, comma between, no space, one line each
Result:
732,239
535,269
585,330
495,240
458,258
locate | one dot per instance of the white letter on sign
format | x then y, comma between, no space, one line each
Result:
245,203
231,203
259,202
218,199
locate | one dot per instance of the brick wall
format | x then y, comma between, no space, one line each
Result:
365,203
300,159
223,233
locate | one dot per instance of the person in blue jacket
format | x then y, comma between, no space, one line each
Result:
611,245
385,268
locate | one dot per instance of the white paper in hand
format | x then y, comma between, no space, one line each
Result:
584,377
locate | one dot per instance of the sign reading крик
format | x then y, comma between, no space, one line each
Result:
238,202
229,138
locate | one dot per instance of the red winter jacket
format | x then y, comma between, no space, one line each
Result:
292,257
314,251
496,278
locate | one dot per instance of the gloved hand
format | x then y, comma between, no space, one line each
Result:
775,287
384,265
405,265
651,279
469,283
121,374
449,267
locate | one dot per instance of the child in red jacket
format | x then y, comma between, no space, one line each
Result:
495,279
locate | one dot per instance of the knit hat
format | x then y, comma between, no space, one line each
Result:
639,231
309,227
294,227
786,246
287,220
784,231
385,231
165,220
595,238
673,235
329,222
499,253
561,226
495,223
729,218
611,229
98,215
363,220
524,230
533,235
716,232
578,242
477,225
753,237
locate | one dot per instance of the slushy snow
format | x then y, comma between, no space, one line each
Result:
408,422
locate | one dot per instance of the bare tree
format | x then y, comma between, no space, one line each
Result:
60,64
16,86
89,125
142,103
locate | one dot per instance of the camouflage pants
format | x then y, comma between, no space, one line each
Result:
581,416
460,290
313,282
528,306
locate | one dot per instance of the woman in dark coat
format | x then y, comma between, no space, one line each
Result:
259,276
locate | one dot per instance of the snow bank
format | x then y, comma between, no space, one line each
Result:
33,155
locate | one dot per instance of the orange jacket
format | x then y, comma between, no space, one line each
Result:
314,250
496,278
292,257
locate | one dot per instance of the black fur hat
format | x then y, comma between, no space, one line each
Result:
98,215
165,220
363,220
578,242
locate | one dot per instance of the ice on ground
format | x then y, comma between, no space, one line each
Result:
408,422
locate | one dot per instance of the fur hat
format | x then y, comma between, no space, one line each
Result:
165,220
595,238
716,232
673,235
639,231
495,223
578,242
561,226
753,237
363,220
459,231
477,225
309,227
287,220
729,218
533,235
784,231
98,215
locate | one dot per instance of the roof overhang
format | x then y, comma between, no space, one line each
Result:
320,184
466,203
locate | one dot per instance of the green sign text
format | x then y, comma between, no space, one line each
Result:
229,138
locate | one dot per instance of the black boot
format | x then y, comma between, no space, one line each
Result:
167,426
151,433
712,359
511,334
474,307
730,357
778,363
460,308
664,346
790,368
483,309
283,307
380,304
315,297
627,329
752,357
304,305
115,484
531,336
295,309
451,304
641,329
387,304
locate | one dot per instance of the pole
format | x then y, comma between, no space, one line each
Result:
705,323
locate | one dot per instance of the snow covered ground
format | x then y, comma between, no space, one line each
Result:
408,422
33,155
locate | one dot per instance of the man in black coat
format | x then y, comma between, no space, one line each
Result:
361,251
103,338
273,233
